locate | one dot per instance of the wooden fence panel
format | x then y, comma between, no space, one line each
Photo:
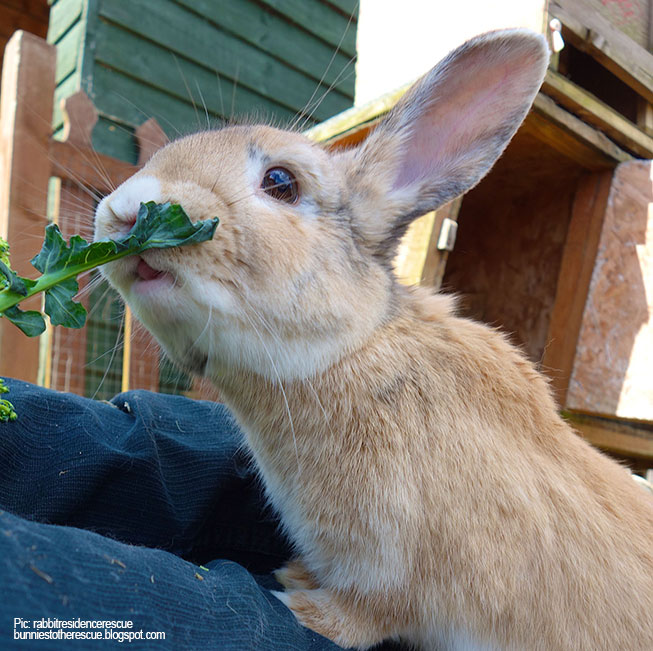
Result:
25,118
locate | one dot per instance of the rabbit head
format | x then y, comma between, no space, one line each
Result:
299,270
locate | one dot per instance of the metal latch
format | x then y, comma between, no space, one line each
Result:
447,237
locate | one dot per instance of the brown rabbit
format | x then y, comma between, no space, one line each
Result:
417,459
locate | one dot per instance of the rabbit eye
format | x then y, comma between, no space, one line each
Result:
281,184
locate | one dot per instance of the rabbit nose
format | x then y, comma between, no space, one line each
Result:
126,200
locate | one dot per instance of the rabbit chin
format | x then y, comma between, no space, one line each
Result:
218,338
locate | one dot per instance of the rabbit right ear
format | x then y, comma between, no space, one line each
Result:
444,134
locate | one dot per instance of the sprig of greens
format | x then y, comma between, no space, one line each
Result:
7,411
157,226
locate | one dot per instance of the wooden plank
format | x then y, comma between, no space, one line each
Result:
645,112
63,16
612,364
80,116
347,7
320,20
279,38
435,260
171,91
25,114
589,31
572,137
574,278
66,88
419,261
13,19
116,140
88,167
595,112
627,439
68,51
196,40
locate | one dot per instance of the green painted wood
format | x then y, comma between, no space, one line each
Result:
195,39
347,7
321,20
115,139
68,52
127,53
63,15
276,36
130,103
154,58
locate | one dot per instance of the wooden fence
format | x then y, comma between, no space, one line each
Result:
32,163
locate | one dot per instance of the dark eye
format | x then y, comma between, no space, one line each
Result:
281,184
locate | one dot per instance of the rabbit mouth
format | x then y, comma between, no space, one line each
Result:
150,279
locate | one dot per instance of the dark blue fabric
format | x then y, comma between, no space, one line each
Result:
109,509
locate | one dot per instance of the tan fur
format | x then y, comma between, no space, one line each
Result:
416,458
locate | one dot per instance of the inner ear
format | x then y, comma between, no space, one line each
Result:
464,112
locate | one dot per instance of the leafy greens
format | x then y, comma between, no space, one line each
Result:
157,226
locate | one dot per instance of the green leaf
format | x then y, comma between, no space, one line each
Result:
164,225
30,322
11,280
61,308
157,226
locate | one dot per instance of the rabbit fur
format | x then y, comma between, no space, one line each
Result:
417,460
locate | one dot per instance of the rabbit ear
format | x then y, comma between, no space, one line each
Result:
445,133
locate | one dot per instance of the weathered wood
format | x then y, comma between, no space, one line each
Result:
25,114
572,137
595,112
280,38
150,138
127,72
436,260
623,438
227,55
88,168
511,234
418,260
318,18
68,51
645,112
589,31
612,365
574,278
79,118
411,253
63,15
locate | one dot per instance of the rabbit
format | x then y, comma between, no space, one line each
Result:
417,459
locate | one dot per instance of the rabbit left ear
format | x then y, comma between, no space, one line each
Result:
446,132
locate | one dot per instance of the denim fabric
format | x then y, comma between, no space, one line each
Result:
109,509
